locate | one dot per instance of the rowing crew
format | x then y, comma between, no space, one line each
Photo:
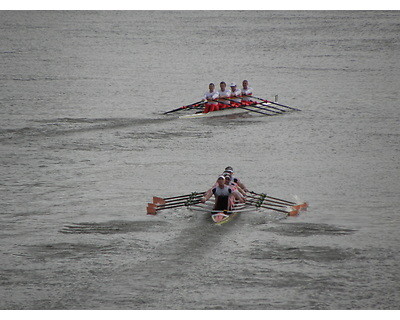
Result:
226,190
224,98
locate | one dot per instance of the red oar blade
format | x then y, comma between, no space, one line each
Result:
151,210
297,208
157,200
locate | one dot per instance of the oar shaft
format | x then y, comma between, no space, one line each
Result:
259,107
272,208
282,105
278,104
266,199
266,104
185,195
245,107
171,206
254,202
273,198
181,202
184,107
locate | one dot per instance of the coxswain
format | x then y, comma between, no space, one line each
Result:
224,96
236,94
246,93
211,97
224,195
229,170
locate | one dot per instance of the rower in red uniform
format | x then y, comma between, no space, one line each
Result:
236,93
211,97
224,95
224,195
246,92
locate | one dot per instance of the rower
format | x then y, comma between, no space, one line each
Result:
224,195
246,91
236,93
229,182
234,179
224,95
211,97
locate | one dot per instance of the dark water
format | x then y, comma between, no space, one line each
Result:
84,147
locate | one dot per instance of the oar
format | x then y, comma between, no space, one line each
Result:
278,104
153,208
245,107
254,105
296,207
269,203
287,211
172,203
277,112
195,104
171,199
266,196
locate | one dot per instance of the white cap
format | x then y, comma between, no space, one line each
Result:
221,177
233,84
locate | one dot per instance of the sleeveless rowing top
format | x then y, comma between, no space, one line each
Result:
225,192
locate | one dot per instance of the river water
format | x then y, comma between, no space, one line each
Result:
85,147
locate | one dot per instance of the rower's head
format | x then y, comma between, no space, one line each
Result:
233,86
211,86
227,178
221,181
229,169
245,84
222,85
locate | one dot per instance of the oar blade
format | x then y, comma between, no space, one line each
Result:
151,210
158,200
295,210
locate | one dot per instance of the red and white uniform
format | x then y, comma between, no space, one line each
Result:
211,97
247,92
224,94
211,104
236,95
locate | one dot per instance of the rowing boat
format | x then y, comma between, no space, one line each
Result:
221,216
256,108
254,202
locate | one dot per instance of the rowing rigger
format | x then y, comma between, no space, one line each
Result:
254,202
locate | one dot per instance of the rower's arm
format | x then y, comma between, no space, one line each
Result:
207,196
241,185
